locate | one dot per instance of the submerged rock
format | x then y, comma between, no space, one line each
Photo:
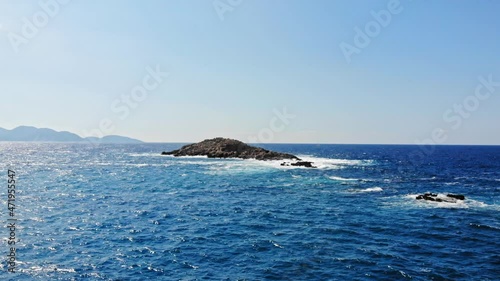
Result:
229,148
456,196
448,198
306,164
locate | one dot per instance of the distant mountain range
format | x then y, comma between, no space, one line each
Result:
32,134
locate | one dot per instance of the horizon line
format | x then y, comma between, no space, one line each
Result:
189,142
271,143
327,143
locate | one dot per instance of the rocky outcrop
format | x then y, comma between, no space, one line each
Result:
448,198
229,148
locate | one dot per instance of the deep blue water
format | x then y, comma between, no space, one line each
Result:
123,212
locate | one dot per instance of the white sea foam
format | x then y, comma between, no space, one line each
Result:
140,165
341,179
207,163
318,162
145,154
371,189
236,165
51,268
455,204
330,163
428,179
187,157
365,190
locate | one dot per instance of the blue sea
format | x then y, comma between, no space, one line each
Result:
124,212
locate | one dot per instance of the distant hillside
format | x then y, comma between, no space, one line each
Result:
32,134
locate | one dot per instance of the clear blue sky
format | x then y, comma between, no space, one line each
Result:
228,76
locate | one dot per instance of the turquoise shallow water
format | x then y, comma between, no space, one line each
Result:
123,212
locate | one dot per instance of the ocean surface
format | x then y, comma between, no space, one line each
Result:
124,212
